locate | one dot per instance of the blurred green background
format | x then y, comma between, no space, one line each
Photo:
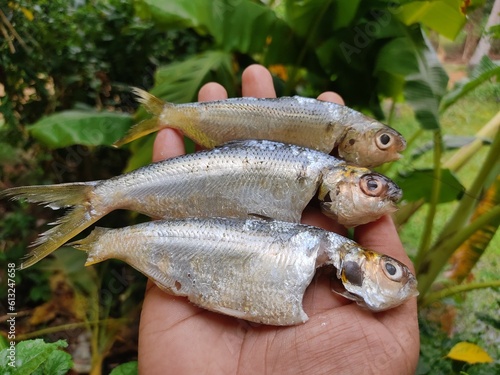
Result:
421,66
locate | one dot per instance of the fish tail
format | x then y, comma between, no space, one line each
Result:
57,196
153,105
89,245
53,196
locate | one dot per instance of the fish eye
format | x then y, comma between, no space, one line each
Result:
392,270
373,185
384,141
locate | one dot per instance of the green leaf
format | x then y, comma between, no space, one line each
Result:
4,343
33,355
418,183
80,128
171,15
58,363
179,82
484,71
489,319
423,90
444,16
129,368
235,25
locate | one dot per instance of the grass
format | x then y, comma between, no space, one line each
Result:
464,118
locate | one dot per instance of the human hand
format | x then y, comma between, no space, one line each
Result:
176,337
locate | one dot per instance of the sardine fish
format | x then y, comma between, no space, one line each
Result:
264,178
251,269
306,122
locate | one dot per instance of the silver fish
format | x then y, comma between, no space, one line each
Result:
306,122
251,269
249,177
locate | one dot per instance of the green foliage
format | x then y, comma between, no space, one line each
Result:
88,128
87,54
435,344
446,17
36,357
484,71
417,184
129,368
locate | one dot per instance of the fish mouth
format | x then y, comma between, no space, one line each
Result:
338,287
395,193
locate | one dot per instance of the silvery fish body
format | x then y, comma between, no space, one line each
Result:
265,178
306,122
256,270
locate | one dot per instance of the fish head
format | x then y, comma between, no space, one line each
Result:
354,195
374,281
376,145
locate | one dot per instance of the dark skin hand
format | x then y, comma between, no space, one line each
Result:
176,337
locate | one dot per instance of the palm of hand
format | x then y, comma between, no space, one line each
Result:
339,338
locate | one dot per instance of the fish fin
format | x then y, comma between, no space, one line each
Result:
67,227
261,217
153,104
53,196
88,244
139,130
57,196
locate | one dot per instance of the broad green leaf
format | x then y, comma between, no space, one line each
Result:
484,71
244,26
470,353
417,184
80,128
175,14
395,60
235,25
179,82
4,343
444,16
129,368
32,355
397,57
424,90
310,19
58,363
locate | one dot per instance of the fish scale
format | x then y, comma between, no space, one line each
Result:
256,270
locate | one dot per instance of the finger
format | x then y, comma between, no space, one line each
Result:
330,96
168,143
257,82
382,236
212,91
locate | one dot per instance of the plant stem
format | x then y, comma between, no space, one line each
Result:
302,54
447,292
63,327
440,254
392,110
460,158
455,163
454,233
490,166
433,203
